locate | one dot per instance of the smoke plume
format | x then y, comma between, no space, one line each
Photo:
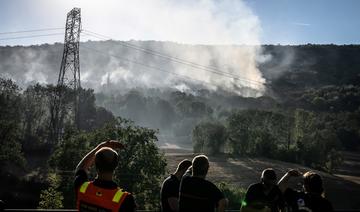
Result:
222,38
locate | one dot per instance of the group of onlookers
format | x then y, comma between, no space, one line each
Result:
188,190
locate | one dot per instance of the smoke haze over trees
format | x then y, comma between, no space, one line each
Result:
271,75
307,103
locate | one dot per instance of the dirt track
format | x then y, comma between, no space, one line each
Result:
342,190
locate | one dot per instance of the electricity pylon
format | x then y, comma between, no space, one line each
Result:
69,77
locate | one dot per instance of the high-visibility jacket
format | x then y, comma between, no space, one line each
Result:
94,198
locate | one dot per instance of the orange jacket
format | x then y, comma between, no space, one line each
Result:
93,198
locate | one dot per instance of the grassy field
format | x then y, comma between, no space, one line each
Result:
342,188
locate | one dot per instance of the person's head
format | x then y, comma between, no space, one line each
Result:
268,177
106,160
313,183
200,166
183,166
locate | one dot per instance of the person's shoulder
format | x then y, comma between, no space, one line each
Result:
129,203
130,196
131,200
213,190
255,186
80,178
322,203
209,184
277,189
292,194
167,179
192,181
170,180
187,178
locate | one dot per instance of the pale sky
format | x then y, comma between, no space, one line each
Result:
188,21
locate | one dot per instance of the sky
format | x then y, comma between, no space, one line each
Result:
187,21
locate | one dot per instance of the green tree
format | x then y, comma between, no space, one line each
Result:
35,123
208,137
316,140
238,125
51,198
10,118
139,171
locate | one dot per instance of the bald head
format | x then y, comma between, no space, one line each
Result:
106,160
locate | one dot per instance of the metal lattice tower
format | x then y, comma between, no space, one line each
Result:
69,77
69,74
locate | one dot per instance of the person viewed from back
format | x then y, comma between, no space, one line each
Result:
198,194
188,172
311,198
101,194
170,188
265,195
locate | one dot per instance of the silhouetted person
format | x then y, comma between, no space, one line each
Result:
312,196
2,205
170,188
188,172
198,194
265,195
102,194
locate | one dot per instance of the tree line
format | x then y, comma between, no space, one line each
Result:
47,167
312,130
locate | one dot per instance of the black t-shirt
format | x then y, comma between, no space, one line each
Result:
169,188
301,201
81,177
197,194
256,197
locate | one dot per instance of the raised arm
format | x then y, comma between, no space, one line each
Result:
89,159
284,181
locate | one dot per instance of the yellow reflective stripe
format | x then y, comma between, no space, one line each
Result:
118,196
84,187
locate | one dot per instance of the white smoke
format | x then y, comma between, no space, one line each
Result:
220,23
230,25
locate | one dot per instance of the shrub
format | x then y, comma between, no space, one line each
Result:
51,198
234,194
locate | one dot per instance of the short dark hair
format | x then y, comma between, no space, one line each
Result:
200,165
184,165
269,174
106,160
313,182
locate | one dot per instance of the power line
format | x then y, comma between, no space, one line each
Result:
145,65
33,30
178,60
31,36
148,51
181,61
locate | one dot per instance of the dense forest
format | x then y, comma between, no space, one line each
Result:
308,113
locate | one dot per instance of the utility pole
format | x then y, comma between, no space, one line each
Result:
69,77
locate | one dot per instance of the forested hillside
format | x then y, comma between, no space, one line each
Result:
306,112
